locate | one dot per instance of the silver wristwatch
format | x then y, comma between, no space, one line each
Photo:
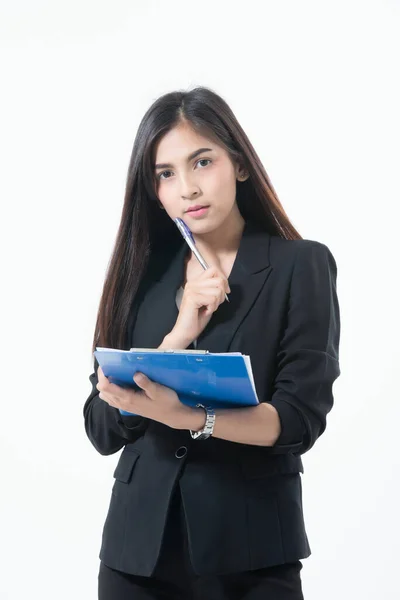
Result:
208,428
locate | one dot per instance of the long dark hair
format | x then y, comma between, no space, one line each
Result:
145,230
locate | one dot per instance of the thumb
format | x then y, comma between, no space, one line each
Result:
142,381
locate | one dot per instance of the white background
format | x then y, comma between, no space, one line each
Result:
316,87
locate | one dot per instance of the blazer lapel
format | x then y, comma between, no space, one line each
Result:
249,273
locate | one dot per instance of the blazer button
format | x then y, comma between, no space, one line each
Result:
181,452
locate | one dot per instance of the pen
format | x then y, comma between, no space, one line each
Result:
188,237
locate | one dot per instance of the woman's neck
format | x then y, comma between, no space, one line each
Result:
218,248
222,243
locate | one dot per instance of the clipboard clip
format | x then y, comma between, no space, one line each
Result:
171,351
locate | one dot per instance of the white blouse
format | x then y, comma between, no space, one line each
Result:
179,295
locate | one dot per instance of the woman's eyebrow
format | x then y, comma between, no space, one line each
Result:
189,158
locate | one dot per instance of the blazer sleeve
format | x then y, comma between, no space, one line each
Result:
105,427
308,356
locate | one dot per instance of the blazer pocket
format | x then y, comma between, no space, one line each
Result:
126,463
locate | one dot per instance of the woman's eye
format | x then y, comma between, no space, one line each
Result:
160,175
206,159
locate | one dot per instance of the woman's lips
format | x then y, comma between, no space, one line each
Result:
198,213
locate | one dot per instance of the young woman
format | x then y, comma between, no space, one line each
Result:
218,515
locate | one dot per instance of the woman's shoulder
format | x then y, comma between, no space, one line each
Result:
302,255
283,250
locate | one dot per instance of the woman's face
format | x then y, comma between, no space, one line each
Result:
207,179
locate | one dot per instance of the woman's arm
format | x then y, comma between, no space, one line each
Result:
257,425
295,415
105,427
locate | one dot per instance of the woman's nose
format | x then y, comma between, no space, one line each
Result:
188,187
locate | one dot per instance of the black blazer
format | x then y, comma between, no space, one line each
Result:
242,503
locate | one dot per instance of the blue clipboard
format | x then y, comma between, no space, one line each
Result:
218,380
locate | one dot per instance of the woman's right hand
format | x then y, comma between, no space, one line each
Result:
201,297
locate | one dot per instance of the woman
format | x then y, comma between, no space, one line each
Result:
215,515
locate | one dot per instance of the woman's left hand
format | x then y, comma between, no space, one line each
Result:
153,401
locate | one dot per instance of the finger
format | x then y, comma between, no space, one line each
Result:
100,374
207,283
211,271
220,282
202,299
212,294
208,288
103,383
146,384
107,398
215,273
115,390
209,301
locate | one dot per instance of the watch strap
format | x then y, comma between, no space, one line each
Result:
208,428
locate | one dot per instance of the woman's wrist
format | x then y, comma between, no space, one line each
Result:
190,418
172,341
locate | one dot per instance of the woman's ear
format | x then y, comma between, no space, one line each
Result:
241,172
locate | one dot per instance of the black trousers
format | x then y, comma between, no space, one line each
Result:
173,578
